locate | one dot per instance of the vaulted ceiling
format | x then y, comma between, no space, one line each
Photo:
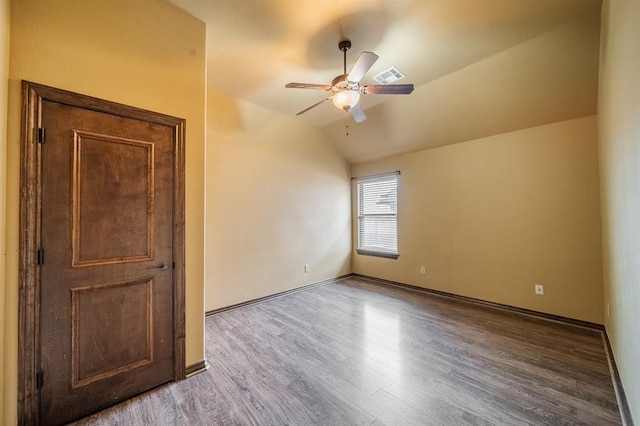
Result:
480,67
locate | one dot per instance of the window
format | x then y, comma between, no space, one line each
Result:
378,215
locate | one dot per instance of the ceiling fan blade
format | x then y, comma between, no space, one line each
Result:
357,113
307,86
362,65
314,105
387,89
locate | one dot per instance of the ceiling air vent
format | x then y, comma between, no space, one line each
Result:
389,76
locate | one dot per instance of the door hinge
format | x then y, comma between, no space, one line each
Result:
39,380
40,134
40,256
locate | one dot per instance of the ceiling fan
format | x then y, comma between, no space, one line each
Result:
346,89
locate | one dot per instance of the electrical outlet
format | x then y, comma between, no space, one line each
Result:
423,270
539,289
306,268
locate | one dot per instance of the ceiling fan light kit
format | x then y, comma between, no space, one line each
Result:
346,99
346,89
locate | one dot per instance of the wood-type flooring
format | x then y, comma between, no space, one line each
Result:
356,352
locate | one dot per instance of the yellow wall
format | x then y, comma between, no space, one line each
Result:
492,217
144,53
4,75
278,197
619,149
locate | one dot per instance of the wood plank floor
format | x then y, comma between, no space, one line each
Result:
360,353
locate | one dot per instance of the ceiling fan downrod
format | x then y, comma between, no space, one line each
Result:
344,45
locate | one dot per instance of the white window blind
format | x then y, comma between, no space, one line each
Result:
378,215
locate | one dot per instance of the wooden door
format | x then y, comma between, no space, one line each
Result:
107,323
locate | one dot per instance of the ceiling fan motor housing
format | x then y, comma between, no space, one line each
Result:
339,83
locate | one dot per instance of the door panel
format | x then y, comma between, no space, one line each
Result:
106,323
101,338
112,174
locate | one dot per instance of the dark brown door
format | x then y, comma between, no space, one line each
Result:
106,313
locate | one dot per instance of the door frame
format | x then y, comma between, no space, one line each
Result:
33,95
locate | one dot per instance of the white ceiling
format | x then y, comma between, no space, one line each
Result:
480,67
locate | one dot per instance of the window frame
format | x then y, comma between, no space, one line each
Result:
369,250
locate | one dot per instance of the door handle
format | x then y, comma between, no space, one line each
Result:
163,266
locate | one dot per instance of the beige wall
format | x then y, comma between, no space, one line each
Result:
619,149
4,75
492,217
144,53
278,197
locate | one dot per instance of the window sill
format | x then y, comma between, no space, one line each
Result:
377,254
